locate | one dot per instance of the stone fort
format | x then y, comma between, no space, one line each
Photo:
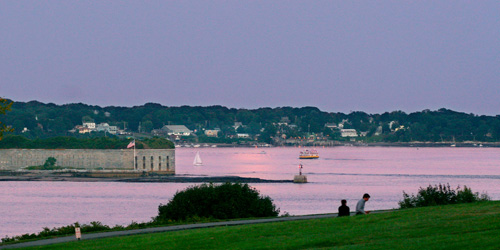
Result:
145,160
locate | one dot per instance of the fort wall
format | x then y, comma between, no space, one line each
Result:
149,160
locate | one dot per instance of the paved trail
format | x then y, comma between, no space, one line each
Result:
169,228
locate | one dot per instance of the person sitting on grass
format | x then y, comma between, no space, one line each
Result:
344,209
360,207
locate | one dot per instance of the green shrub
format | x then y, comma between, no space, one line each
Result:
226,201
440,195
94,226
50,164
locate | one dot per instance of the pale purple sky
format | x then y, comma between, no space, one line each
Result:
339,56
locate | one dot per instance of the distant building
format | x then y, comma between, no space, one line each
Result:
90,125
348,133
158,132
341,124
243,135
113,130
82,129
104,127
237,125
212,133
179,130
399,128
123,132
331,125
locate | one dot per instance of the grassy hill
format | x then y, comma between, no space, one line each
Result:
465,226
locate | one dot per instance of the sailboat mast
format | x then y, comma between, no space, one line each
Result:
197,159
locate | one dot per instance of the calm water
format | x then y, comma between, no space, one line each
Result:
340,173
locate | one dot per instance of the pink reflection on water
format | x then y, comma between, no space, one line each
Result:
339,173
34,205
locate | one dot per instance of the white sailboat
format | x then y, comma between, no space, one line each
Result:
197,160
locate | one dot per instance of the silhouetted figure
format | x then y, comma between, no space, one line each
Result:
360,207
344,209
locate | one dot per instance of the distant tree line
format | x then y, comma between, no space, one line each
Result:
48,120
67,142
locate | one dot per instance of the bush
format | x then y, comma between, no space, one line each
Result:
94,226
226,201
50,164
440,195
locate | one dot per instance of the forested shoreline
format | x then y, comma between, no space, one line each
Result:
39,120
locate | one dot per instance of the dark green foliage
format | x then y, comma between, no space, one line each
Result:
15,141
94,226
226,201
440,195
64,230
157,142
50,164
5,106
66,142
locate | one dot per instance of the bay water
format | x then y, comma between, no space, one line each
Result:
339,173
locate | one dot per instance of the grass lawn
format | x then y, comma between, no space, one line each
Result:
465,226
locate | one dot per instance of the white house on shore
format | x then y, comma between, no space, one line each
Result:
348,133
179,130
104,127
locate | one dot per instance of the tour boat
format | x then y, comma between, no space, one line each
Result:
309,154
